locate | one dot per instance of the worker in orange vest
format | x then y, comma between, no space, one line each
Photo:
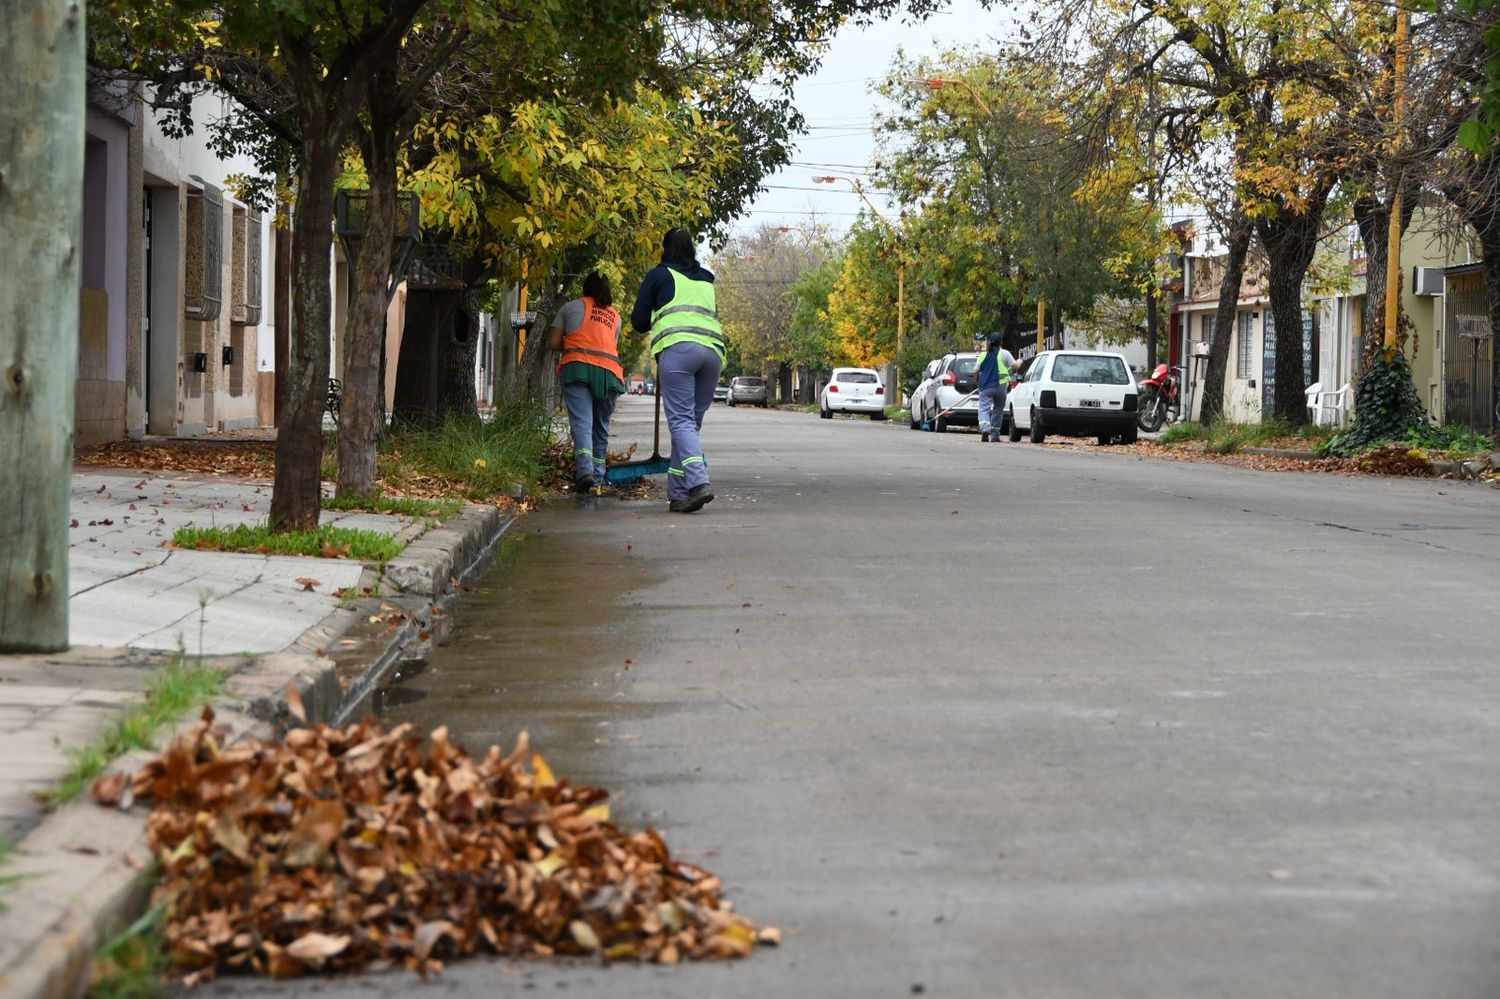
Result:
587,334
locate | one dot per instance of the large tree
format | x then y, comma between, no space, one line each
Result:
992,166
755,272
303,73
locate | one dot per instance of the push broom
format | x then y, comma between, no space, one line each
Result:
634,471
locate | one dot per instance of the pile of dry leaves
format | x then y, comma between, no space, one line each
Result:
362,848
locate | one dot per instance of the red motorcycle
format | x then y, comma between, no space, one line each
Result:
1160,399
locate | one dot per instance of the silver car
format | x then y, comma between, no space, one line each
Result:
747,391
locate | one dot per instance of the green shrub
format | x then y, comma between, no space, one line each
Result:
1387,409
483,457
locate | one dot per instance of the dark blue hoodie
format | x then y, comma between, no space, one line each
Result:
657,290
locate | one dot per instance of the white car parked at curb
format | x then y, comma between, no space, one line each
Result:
1074,393
853,390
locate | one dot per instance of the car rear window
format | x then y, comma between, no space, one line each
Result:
751,382
862,377
965,365
1079,368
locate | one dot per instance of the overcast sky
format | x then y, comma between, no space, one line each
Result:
838,105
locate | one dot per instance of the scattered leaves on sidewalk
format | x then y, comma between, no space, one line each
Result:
341,849
248,459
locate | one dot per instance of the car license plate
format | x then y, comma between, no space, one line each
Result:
1089,403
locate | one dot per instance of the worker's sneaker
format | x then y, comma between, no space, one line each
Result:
584,484
984,438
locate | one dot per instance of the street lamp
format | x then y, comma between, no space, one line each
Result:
939,82
900,273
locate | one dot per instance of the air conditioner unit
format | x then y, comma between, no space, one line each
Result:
1427,281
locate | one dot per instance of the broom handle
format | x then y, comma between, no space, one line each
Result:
656,434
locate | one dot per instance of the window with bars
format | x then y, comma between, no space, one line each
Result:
1208,328
245,253
1244,356
203,280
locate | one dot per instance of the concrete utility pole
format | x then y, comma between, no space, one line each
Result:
1393,236
41,204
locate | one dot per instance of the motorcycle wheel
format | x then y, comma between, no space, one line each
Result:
1153,416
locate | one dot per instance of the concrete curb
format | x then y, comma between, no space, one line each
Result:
84,869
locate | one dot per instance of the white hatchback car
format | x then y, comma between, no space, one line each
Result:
853,390
1075,393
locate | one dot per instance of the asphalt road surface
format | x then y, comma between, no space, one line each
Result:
1007,720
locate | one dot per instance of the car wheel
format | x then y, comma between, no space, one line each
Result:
1013,432
877,417
939,425
825,413
1130,436
1037,434
1104,440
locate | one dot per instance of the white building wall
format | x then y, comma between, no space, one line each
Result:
198,402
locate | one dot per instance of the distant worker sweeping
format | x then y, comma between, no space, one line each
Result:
993,370
676,305
587,334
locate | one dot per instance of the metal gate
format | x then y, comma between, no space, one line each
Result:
1268,357
1468,354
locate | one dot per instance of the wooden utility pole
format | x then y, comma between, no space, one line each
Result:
1393,236
1041,324
41,204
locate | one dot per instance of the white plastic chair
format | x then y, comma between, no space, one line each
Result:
1333,407
1312,401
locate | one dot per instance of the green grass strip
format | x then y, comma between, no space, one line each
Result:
407,505
6,880
172,692
326,541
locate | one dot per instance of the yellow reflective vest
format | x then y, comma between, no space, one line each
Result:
692,316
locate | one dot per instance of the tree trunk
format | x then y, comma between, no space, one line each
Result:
458,383
41,184
1290,239
281,280
297,494
360,410
1211,409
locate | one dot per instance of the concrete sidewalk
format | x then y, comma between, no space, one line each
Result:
129,591
134,602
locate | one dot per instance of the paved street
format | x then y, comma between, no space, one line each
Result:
1003,720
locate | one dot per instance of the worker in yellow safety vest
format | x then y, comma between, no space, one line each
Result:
586,332
676,305
993,374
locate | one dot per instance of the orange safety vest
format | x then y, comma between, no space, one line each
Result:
593,342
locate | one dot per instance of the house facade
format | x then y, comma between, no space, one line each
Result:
1442,295
173,282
